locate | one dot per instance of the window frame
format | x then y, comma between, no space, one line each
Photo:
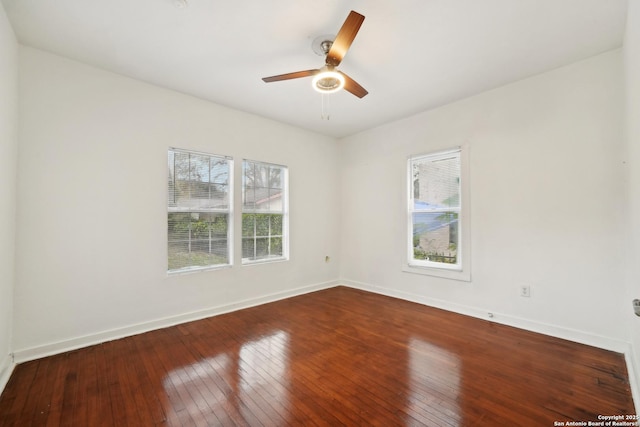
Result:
229,212
245,261
462,269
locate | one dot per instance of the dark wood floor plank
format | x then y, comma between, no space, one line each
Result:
149,385
335,357
56,415
104,415
35,406
17,392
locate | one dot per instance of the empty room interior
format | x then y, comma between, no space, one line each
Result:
445,232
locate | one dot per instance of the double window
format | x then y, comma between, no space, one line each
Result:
200,211
437,237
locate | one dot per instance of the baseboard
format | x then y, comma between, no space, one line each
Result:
6,369
38,352
521,323
634,376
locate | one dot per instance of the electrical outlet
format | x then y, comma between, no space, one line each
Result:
525,291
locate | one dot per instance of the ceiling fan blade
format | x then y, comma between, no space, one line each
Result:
344,38
289,76
353,87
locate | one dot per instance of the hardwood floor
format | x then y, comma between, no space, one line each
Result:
334,357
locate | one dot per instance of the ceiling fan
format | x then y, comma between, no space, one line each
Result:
327,79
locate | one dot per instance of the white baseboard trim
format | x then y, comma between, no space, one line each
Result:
27,354
634,376
505,319
6,369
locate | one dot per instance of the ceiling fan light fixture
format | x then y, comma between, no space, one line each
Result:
328,81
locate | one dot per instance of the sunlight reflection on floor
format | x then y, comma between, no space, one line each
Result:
249,375
434,383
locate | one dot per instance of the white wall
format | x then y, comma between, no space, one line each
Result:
8,175
91,257
632,74
547,203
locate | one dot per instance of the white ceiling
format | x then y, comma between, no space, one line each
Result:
411,55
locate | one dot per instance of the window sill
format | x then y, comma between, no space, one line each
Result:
247,262
463,275
190,270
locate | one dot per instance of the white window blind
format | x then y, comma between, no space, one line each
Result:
264,212
199,210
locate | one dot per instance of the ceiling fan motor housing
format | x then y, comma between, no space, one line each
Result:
326,46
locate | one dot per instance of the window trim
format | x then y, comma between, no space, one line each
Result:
462,270
229,212
285,215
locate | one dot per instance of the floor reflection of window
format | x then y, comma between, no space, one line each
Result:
264,361
434,384
247,382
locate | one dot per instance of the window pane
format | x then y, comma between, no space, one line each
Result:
217,224
261,175
276,225
199,226
247,173
262,225
262,199
248,186
436,183
248,197
219,252
178,255
171,178
275,200
219,171
198,181
219,196
248,248
276,246
197,239
179,226
181,175
262,189
435,237
262,247
275,178
248,224
199,168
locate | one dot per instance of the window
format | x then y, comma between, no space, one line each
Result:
264,212
436,220
199,210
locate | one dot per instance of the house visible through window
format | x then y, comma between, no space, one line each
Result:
264,212
435,210
199,210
